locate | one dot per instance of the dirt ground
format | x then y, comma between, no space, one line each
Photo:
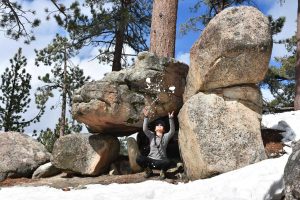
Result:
62,181
271,139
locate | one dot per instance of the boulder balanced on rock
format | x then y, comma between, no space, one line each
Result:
220,119
114,104
234,49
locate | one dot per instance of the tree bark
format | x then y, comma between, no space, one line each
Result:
116,66
64,98
122,23
297,95
163,28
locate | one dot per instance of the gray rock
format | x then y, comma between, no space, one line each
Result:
291,175
234,49
218,136
85,154
46,170
114,104
249,95
20,155
133,153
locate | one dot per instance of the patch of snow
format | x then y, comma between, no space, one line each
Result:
287,121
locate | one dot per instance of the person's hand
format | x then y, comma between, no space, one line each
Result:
171,115
146,112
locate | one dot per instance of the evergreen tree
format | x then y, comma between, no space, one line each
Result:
281,79
163,28
111,25
48,137
64,77
14,20
14,96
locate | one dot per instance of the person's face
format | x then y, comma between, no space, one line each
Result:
159,128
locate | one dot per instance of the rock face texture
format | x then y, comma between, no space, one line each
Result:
220,120
248,95
291,177
234,49
217,136
85,154
20,155
45,170
133,153
114,104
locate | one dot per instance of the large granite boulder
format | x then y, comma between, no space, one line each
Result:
85,154
114,104
218,136
234,48
291,177
20,155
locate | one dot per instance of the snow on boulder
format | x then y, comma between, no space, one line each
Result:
20,155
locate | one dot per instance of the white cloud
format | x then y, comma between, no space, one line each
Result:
183,57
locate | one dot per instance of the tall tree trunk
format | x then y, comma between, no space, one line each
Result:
64,98
297,95
116,66
163,28
122,23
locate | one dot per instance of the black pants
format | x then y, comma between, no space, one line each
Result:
144,162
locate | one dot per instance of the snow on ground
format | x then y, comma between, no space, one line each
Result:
259,181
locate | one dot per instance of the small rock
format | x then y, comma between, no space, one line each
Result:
66,189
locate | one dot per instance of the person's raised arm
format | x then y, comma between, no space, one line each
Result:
171,133
147,132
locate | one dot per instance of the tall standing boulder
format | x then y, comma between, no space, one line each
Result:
234,49
220,120
20,155
85,154
114,104
218,136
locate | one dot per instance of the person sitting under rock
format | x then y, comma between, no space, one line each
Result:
157,158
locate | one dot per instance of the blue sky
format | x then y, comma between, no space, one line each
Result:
47,31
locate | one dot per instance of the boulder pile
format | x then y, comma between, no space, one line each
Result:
220,120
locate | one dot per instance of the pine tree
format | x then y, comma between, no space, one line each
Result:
64,78
280,80
14,20
48,137
15,96
163,28
125,23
